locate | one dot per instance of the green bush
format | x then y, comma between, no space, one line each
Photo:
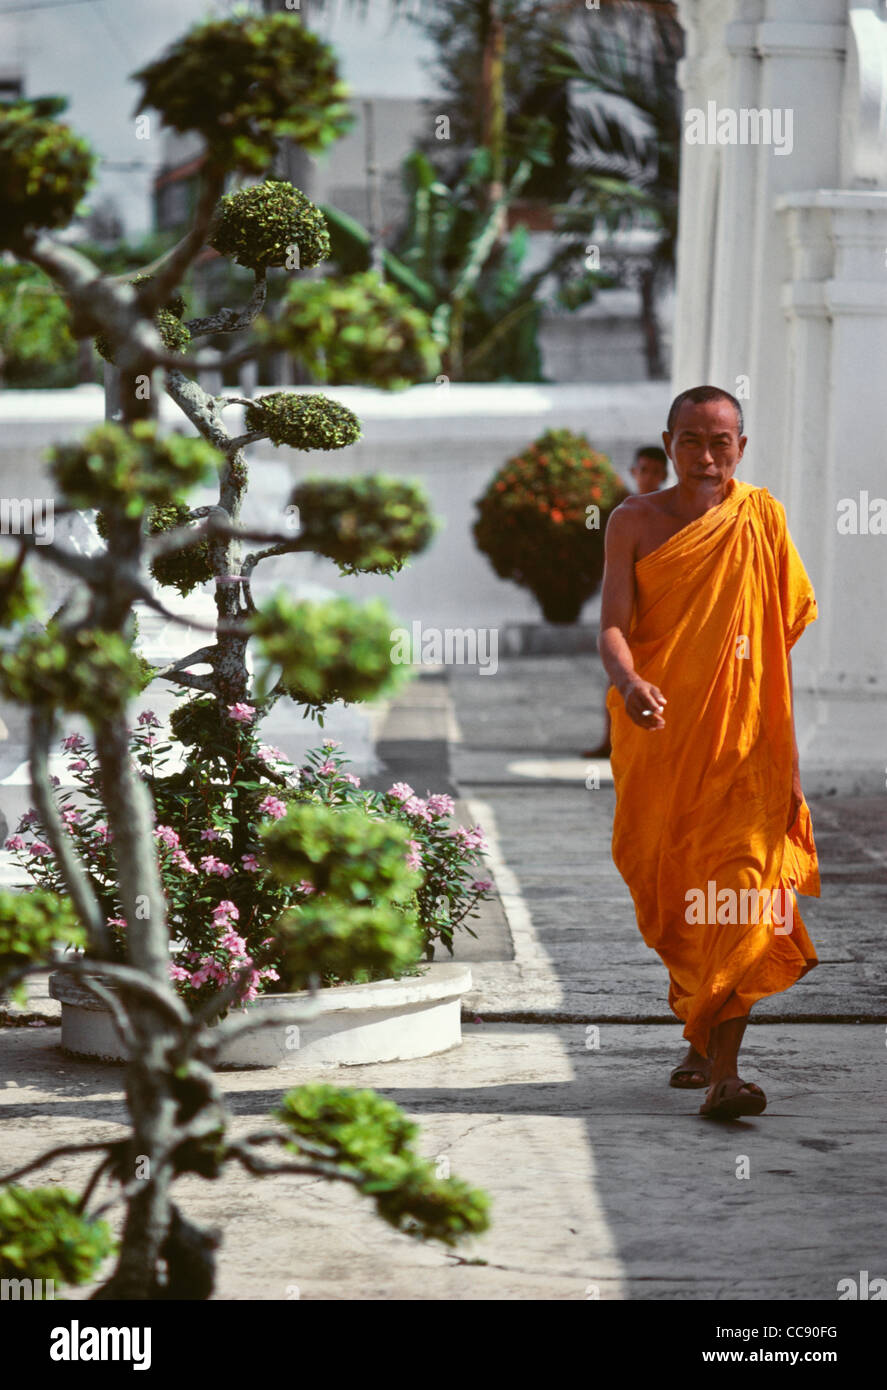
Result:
303,421
368,525
43,1236
336,650
245,83
132,469
44,169
361,331
259,225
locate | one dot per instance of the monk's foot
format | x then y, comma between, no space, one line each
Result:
730,1097
692,1073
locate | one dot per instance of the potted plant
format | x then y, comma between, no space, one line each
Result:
225,912
541,521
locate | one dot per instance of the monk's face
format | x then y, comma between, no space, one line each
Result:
705,445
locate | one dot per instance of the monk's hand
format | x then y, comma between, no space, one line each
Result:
644,703
797,798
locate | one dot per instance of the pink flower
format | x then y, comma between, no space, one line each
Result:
29,818
39,850
102,832
482,884
178,972
325,768
415,806
268,754
70,816
148,716
250,863
401,791
226,909
273,806
304,886
241,713
81,765
210,865
210,834
414,857
332,743
471,839
55,782
167,835
14,842
116,922
74,743
180,858
349,777
440,804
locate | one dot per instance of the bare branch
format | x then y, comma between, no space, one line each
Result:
204,654
241,441
284,548
232,320
41,727
154,293
93,1147
215,526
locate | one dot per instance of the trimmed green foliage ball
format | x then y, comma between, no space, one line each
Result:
132,469
359,331
329,651
19,595
368,525
43,1236
188,568
44,168
30,926
174,335
86,671
369,1135
245,83
265,224
303,421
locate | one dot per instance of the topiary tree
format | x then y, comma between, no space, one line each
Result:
243,83
541,521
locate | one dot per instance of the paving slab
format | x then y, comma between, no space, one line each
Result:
604,1182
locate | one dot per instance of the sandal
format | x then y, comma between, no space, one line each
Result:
689,1072
733,1097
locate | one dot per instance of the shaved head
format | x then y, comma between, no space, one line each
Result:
699,395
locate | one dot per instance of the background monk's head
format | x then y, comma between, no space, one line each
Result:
704,438
650,468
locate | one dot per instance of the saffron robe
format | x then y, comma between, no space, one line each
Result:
705,800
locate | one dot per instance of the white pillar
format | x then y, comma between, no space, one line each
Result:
782,278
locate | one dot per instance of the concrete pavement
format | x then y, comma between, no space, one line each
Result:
605,1183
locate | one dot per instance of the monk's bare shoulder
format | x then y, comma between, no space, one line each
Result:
642,518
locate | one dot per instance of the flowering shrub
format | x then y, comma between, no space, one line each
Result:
541,521
223,896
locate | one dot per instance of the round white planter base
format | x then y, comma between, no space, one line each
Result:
389,1021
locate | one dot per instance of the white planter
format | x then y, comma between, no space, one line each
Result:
389,1021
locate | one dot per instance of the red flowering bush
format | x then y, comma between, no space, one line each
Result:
541,521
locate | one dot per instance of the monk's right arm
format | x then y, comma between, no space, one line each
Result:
643,702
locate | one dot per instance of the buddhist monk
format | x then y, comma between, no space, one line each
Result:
704,596
649,472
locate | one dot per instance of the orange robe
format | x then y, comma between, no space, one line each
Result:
702,805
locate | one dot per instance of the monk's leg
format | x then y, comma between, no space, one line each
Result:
724,1045
696,1064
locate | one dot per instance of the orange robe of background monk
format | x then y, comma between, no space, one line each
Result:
706,799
